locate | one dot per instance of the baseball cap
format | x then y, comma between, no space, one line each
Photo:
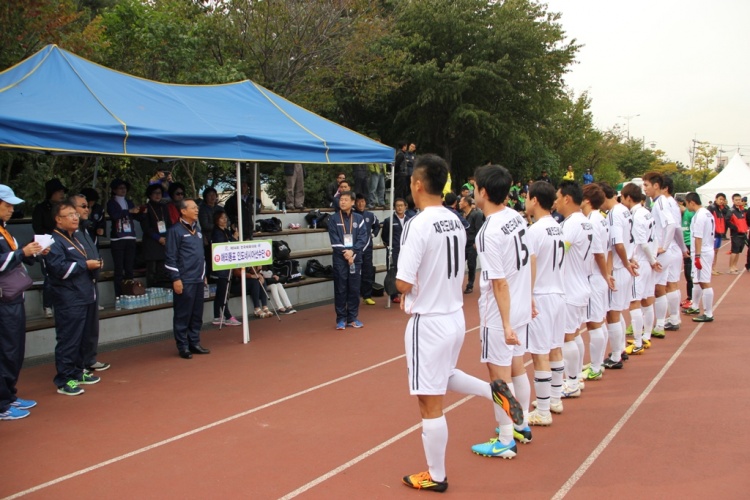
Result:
8,196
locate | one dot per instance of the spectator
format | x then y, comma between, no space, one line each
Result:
411,207
569,175
401,182
333,188
13,325
206,221
587,177
544,177
737,231
450,201
187,269
96,223
348,235
720,213
122,214
163,177
155,223
295,186
516,188
528,186
360,172
255,284
687,217
376,193
176,193
246,205
223,234
344,186
475,219
278,293
466,190
391,237
368,270
411,156
43,222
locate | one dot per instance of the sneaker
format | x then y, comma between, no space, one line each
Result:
523,435
590,374
686,304
671,327
581,384
233,322
623,355
646,343
291,311
23,404
635,350
369,301
469,289
216,321
396,300
341,325
658,333
47,312
88,379
553,407
70,389
14,413
703,319
612,365
502,396
629,331
494,448
100,366
423,481
536,418
691,310
567,392
356,324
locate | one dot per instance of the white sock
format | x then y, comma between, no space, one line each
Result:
615,334
673,299
542,387
571,355
522,392
605,331
597,346
648,321
660,311
708,302
697,295
557,368
434,441
636,318
581,352
623,327
466,384
504,424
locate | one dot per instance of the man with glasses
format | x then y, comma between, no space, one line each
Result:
71,269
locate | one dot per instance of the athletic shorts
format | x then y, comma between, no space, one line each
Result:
717,242
671,265
575,316
433,344
624,292
644,282
738,243
494,348
547,330
599,299
703,275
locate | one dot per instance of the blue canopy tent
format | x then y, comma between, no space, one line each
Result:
56,102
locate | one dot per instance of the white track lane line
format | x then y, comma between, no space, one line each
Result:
572,480
201,429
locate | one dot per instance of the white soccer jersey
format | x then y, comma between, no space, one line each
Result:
579,237
702,226
674,210
432,261
601,238
644,232
663,217
546,241
504,253
620,231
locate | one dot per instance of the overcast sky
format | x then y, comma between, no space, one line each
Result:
682,65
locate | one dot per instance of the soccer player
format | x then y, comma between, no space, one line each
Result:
504,301
430,275
678,249
579,238
600,280
547,329
701,247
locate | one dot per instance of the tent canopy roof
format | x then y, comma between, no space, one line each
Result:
57,102
735,178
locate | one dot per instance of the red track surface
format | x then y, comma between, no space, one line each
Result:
253,420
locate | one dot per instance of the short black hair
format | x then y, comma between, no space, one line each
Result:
736,194
432,171
350,194
632,191
694,197
668,184
57,207
719,194
544,193
572,189
179,205
496,180
609,191
173,187
593,194
91,194
347,182
359,196
209,189
450,199
399,199
153,187
654,178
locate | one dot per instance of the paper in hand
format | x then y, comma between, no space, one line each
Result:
44,239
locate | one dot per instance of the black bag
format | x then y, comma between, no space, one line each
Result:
377,290
312,217
287,270
272,225
315,269
281,250
14,282
390,281
323,220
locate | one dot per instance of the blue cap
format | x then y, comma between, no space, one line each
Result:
7,195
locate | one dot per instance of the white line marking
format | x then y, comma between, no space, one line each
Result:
200,429
578,474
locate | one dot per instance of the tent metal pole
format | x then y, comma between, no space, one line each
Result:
255,191
96,171
390,222
245,326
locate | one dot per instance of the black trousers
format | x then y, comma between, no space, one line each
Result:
346,289
401,186
123,257
471,264
222,284
368,274
12,347
90,341
188,316
394,259
688,264
156,274
70,327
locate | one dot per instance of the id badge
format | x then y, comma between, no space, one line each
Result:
348,241
162,227
126,228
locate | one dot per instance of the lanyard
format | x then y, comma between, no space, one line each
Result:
8,238
351,221
81,249
158,219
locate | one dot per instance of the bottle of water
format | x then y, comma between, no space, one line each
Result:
352,268
118,304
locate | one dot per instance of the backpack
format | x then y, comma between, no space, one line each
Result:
281,250
315,269
316,219
272,225
287,270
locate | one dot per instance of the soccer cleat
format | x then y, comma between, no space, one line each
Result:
70,389
686,304
356,324
369,301
691,311
502,395
703,319
494,448
629,331
553,407
624,356
88,379
635,350
658,333
590,374
522,436
646,343
341,325
14,413
423,481
567,392
537,418
23,404
671,327
612,365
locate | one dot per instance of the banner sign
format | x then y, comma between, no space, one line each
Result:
241,254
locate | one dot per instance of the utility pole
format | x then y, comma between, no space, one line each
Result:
627,120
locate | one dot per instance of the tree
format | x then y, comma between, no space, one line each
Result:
703,157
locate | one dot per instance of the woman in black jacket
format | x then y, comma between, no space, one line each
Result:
222,233
154,225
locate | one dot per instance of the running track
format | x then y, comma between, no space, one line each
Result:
306,411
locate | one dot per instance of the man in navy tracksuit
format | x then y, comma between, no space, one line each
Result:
186,264
71,280
349,234
373,228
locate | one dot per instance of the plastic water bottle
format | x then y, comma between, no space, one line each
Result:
315,223
118,304
352,268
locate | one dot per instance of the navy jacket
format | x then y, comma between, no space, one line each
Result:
71,282
185,259
89,243
10,259
373,227
397,228
359,231
119,217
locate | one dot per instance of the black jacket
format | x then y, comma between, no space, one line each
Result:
155,212
247,214
41,220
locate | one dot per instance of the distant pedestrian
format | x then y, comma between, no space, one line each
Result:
294,173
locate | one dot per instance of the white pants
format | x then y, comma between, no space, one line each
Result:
279,296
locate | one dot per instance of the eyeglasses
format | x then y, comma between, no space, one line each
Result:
179,193
74,215
83,206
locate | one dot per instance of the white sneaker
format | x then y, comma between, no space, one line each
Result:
537,418
290,310
47,312
581,385
553,407
216,321
233,322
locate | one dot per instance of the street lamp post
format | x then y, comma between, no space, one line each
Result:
627,120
